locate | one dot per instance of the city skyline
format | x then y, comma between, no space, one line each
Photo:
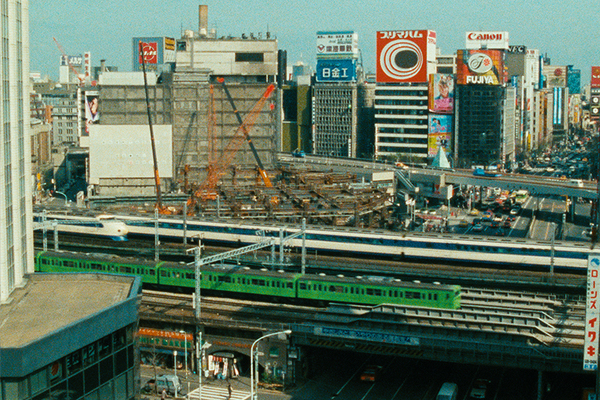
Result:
564,34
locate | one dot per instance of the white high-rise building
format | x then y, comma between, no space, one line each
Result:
16,235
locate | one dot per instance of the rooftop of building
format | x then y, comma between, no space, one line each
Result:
50,302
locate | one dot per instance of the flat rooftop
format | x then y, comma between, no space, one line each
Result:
51,302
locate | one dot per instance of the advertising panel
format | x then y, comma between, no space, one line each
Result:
75,61
405,56
487,40
92,116
480,67
336,70
592,316
440,134
556,76
517,49
574,80
337,44
441,93
595,76
156,50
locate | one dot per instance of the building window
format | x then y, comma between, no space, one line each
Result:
249,57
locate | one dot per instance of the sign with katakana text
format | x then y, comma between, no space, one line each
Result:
592,316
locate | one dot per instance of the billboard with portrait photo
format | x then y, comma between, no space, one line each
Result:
92,115
440,134
441,93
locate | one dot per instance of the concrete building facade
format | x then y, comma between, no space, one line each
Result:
16,237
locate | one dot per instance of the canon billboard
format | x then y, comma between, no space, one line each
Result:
595,77
487,40
405,56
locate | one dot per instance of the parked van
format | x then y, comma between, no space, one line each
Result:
448,391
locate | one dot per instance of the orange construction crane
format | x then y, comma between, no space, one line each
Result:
207,189
66,57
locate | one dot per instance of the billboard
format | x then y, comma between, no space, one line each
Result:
480,67
487,40
441,93
75,61
574,80
405,56
440,134
336,70
556,76
92,116
517,49
592,316
156,50
337,44
595,77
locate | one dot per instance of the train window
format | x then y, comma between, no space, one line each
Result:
126,270
258,282
97,267
69,264
151,272
190,276
374,292
302,286
163,273
435,296
224,278
337,289
401,295
289,285
413,295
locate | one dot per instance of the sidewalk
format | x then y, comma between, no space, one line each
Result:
212,389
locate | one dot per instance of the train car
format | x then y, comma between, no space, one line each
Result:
377,290
382,244
103,225
65,261
231,278
269,285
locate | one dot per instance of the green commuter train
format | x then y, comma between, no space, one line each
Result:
259,283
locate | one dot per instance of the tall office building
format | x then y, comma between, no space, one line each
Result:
16,242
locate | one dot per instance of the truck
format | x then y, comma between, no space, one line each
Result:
169,383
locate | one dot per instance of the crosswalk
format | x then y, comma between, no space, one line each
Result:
218,393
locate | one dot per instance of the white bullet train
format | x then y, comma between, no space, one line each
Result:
103,225
479,250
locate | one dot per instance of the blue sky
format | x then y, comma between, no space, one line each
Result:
567,31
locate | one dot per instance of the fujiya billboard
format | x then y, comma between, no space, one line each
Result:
405,56
337,44
487,40
480,67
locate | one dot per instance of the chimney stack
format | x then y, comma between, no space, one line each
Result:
202,20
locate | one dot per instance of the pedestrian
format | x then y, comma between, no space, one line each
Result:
229,390
163,395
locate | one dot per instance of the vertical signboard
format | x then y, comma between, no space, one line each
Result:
590,350
440,134
405,56
441,93
595,77
92,116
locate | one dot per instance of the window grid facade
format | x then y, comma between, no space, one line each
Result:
16,244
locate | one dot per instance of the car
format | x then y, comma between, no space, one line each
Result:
370,373
511,218
463,223
507,224
479,389
477,228
497,218
474,212
495,224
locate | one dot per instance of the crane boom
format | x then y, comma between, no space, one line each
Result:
217,170
245,131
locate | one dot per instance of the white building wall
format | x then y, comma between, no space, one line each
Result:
16,238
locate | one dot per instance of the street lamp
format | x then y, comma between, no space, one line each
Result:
254,383
175,369
66,199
